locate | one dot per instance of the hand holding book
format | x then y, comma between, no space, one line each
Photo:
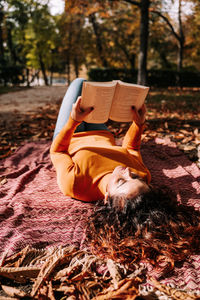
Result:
112,100
77,113
139,116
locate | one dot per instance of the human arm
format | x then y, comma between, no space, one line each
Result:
132,139
62,141
60,156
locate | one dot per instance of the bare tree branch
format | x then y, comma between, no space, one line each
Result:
133,2
168,23
181,33
128,1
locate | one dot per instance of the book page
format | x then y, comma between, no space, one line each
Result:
97,95
126,96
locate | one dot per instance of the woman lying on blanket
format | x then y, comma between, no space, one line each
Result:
133,221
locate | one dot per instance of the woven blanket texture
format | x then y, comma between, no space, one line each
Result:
34,212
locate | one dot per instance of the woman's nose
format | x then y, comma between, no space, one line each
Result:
128,171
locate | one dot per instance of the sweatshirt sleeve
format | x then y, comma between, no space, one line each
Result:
132,139
62,141
61,159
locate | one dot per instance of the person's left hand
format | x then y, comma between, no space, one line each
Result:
77,113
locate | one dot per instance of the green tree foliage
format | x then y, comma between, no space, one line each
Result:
94,33
167,32
113,29
121,34
93,6
42,40
172,34
112,35
29,41
192,48
13,21
73,40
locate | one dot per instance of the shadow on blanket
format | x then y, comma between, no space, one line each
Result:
34,212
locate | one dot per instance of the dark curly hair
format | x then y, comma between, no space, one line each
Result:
152,227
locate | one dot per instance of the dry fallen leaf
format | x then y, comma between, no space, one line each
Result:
50,291
187,147
114,272
3,181
174,293
13,292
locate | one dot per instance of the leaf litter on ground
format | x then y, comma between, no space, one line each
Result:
172,113
70,273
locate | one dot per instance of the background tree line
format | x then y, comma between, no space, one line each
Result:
124,39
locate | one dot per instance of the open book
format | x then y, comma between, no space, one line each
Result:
112,100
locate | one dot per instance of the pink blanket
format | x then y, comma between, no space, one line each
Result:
34,212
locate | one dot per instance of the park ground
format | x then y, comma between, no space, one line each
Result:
29,114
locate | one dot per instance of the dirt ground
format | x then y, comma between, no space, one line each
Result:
28,114
29,100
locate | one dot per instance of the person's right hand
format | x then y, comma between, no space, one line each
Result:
139,116
77,113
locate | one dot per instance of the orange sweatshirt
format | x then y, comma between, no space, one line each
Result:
84,161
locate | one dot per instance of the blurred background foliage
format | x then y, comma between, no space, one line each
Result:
136,41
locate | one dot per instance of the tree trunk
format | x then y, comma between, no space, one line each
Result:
144,34
68,68
69,51
76,54
36,75
76,66
180,56
180,63
99,45
2,52
51,78
181,40
10,43
1,34
27,77
43,69
68,73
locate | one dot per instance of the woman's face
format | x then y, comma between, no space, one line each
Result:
123,182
